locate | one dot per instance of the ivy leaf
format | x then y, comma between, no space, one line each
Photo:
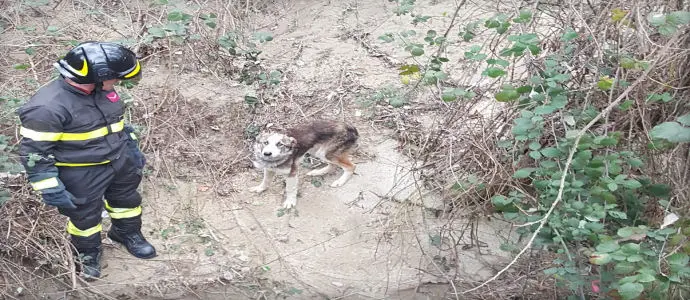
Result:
569,35
618,214
685,120
523,173
632,184
605,83
607,247
550,152
678,259
494,72
417,51
672,132
507,94
612,186
386,38
630,290
544,109
500,200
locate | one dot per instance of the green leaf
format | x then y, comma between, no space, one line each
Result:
672,132
684,119
448,96
624,267
550,152
500,200
635,162
500,62
630,248
30,51
263,37
630,290
386,38
507,95
605,83
678,259
21,66
618,214
625,232
612,186
534,146
157,32
523,173
659,190
569,35
524,89
608,247
535,155
494,72
417,51
544,109
645,277
178,16
632,184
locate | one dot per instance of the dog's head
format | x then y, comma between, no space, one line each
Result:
273,147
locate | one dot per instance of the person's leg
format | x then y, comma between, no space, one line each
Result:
87,184
123,204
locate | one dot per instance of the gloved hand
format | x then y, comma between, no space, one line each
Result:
51,188
133,146
62,199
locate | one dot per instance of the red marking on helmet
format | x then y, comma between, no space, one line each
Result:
113,97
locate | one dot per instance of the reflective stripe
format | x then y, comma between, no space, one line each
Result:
122,213
133,136
45,184
135,71
65,164
73,230
67,136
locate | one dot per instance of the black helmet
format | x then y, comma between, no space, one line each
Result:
94,62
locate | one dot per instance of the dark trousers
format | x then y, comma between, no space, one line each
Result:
112,186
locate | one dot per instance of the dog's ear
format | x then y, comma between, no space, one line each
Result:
262,136
289,141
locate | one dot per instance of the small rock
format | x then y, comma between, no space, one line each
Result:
227,276
243,258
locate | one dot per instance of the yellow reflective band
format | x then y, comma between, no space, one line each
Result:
39,136
134,72
66,136
134,136
122,213
73,230
45,184
66,164
84,69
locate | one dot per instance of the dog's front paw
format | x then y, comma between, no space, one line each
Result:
289,202
258,189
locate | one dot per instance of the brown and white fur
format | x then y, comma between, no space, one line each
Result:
282,153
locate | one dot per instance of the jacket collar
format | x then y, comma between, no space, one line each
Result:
72,88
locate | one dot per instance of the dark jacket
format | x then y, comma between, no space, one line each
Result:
62,125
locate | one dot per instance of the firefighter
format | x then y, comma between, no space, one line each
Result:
81,157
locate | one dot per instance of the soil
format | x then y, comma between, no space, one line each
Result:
378,236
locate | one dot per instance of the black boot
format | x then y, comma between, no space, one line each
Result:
135,242
89,262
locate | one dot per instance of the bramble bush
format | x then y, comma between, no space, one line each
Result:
586,186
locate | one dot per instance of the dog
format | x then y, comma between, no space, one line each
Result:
282,153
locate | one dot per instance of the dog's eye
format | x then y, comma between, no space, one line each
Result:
265,142
280,144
